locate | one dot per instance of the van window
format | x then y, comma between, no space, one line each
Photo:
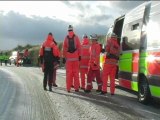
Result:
132,33
135,26
153,31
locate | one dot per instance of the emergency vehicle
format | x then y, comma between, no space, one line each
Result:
4,58
138,34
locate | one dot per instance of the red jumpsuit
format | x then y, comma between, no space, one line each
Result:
47,53
84,60
56,64
26,53
94,66
110,65
17,60
71,52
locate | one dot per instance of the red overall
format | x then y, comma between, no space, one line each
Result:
26,53
17,60
110,65
84,60
56,64
94,66
72,60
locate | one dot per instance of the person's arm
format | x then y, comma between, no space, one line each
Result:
108,46
57,56
64,50
41,53
78,46
64,47
98,50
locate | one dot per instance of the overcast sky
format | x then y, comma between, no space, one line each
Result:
29,22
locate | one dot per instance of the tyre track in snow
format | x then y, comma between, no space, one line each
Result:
41,108
37,103
11,94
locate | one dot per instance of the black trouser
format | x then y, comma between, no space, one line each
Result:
48,72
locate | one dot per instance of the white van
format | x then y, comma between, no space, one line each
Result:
138,34
13,57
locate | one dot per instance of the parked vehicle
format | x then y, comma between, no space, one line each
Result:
22,60
139,37
13,58
4,58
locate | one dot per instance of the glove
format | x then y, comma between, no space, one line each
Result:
79,58
95,64
58,61
57,58
103,51
64,61
41,59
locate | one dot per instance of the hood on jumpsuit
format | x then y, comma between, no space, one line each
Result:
85,41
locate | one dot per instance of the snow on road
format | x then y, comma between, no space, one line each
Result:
61,105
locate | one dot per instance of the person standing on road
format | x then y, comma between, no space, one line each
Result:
110,64
47,53
25,57
71,54
26,53
84,59
94,65
56,64
18,58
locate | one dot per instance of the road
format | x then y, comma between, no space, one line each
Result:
22,98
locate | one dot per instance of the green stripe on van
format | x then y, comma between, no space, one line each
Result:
143,63
155,91
125,62
134,86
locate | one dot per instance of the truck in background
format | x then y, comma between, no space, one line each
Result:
4,58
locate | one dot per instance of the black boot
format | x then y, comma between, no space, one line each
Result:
44,88
103,93
55,85
76,90
50,88
87,91
98,90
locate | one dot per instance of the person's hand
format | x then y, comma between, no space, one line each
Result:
79,58
95,64
64,61
103,51
58,62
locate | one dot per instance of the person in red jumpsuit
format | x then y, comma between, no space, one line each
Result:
71,54
56,65
84,59
18,58
47,53
26,53
110,64
94,65
25,56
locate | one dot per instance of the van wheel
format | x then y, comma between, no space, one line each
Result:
144,95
